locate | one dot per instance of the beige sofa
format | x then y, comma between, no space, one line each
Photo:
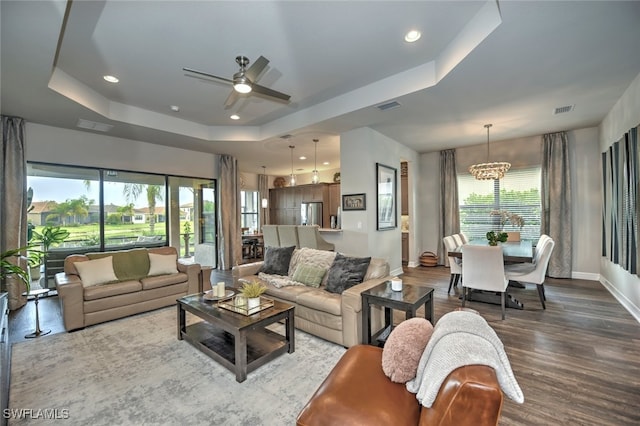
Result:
334,317
128,288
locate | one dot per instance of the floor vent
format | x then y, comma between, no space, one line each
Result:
388,105
563,109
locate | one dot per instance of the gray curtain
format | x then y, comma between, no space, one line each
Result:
13,201
229,240
263,192
449,206
556,202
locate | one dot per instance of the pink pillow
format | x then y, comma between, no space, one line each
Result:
404,347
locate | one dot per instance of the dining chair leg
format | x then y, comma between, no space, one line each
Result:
457,280
502,303
451,283
541,295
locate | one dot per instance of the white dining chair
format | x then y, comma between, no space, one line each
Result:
483,269
455,264
534,273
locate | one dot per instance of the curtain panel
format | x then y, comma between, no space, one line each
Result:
449,206
556,202
13,201
229,240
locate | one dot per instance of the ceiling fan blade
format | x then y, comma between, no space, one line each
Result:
269,92
256,68
206,74
231,99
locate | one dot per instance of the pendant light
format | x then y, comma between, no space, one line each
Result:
265,201
292,178
315,178
489,171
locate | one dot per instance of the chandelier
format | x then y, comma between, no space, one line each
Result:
265,201
315,178
292,177
489,171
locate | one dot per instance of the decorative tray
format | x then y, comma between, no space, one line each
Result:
239,304
208,295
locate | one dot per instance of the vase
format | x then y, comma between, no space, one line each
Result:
253,302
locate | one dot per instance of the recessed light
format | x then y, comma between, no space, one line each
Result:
111,78
411,36
326,163
234,117
303,157
175,108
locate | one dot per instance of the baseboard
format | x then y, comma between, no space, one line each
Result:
396,272
412,264
626,303
590,276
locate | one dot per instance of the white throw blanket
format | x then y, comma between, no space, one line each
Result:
461,338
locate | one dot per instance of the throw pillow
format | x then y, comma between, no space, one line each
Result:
345,272
127,264
94,272
309,275
276,260
404,347
162,264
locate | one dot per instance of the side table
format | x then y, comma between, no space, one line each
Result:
409,299
36,294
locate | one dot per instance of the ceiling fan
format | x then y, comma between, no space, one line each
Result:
244,81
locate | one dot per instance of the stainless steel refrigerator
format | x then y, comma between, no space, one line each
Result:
311,213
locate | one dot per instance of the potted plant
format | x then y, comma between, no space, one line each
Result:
34,258
8,268
48,236
252,291
495,237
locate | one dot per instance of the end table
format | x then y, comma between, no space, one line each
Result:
36,294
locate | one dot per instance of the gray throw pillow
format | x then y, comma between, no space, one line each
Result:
345,272
276,260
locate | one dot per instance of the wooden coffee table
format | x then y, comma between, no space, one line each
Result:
239,342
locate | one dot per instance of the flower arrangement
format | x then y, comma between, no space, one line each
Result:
494,237
507,216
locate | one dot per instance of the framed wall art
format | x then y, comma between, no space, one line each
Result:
386,200
354,202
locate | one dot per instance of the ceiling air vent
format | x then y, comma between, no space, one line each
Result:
92,125
285,137
388,105
563,109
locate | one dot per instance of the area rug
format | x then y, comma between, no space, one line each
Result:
135,371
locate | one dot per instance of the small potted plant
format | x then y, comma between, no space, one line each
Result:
251,291
8,268
35,262
496,237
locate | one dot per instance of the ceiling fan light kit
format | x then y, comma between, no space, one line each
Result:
489,171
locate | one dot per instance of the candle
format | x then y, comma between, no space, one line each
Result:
221,290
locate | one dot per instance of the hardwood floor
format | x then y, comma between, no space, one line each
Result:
577,362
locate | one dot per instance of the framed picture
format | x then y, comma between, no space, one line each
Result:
354,202
386,202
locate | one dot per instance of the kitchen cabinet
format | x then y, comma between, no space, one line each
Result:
405,247
334,198
284,203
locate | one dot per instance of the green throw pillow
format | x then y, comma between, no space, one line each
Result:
309,275
128,264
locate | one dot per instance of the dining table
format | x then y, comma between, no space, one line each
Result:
512,252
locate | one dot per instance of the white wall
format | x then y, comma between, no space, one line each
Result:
360,150
624,115
62,146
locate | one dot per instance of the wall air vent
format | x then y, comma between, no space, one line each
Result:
92,125
563,109
388,105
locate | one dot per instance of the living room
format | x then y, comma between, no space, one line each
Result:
360,148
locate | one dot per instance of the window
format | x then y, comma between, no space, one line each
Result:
517,193
249,210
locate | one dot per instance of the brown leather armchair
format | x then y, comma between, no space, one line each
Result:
357,392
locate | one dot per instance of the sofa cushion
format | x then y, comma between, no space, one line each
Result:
115,289
98,271
345,272
289,294
163,280
404,347
162,264
309,275
276,260
321,300
127,264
